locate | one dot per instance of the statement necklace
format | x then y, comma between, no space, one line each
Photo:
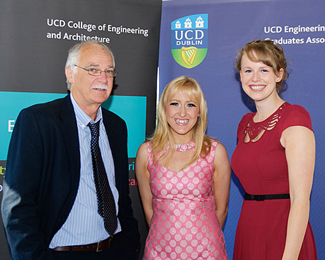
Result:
185,147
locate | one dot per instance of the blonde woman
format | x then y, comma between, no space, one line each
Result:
183,177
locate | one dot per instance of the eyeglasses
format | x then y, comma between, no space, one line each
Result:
97,72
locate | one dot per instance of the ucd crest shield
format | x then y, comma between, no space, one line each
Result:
190,40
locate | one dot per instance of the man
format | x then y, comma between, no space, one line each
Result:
50,202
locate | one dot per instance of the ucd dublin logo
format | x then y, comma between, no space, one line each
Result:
190,40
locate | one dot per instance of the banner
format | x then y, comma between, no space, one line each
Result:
35,37
200,39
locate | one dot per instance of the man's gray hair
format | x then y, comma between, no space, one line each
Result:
74,55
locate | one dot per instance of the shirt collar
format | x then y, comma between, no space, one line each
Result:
82,118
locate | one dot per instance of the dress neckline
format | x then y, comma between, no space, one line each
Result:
266,119
255,130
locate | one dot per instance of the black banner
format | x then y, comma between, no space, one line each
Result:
35,37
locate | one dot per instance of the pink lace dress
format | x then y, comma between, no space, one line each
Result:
184,223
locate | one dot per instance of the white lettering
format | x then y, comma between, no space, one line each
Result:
11,124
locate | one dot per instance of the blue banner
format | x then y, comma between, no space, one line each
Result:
299,28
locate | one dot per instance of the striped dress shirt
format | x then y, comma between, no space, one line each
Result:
84,225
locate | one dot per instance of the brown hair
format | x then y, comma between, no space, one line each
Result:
269,53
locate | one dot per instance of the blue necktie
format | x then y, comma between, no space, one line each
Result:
105,199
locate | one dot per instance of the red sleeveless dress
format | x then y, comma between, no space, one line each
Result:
261,168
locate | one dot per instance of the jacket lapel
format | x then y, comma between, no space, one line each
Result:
70,134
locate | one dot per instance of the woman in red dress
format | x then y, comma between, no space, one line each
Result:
274,162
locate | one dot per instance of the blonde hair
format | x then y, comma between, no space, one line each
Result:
163,137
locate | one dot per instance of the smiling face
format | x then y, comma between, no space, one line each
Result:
91,91
258,79
182,114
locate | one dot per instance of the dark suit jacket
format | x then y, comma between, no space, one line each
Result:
42,177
